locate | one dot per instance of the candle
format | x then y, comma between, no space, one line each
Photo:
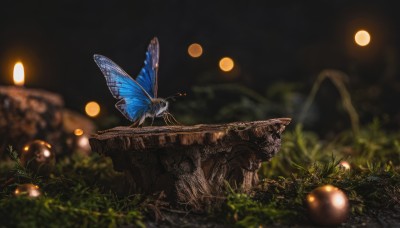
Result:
19,74
27,114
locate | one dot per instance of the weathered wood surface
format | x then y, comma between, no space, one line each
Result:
191,163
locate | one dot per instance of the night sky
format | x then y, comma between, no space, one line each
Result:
269,42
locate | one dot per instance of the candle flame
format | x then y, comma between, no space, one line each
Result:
19,74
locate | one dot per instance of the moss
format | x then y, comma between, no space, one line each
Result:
304,163
78,193
85,191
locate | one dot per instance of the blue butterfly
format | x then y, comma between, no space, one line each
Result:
137,98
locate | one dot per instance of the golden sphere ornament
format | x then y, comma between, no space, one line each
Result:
345,165
327,205
82,141
28,190
78,142
38,157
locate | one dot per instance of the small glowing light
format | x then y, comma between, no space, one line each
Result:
46,153
345,165
338,200
78,132
92,109
226,64
83,143
195,50
311,198
27,190
329,188
362,38
44,143
34,193
19,74
26,148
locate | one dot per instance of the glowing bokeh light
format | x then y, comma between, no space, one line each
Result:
92,109
339,200
226,64
19,74
83,143
329,188
78,132
362,38
46,153
311,198
195,50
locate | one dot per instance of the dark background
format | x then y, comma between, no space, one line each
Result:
288,42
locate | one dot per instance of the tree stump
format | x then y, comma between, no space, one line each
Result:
191,164
27,114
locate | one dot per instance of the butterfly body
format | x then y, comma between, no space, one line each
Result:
157,108
137,98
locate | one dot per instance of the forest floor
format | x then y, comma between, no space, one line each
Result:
86,191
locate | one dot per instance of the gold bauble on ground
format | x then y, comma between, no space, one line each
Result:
327,205
38,157
345,165
28,190
78,142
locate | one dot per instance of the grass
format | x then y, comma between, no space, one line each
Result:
85,191
304,163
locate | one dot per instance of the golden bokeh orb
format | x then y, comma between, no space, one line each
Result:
78,132
92,109
362,38
226,64
195,50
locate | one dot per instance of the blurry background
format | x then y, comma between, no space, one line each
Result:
278,51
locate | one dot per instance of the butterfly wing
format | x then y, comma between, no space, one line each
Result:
147,77
134,100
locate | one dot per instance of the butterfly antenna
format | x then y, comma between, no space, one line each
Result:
176,96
